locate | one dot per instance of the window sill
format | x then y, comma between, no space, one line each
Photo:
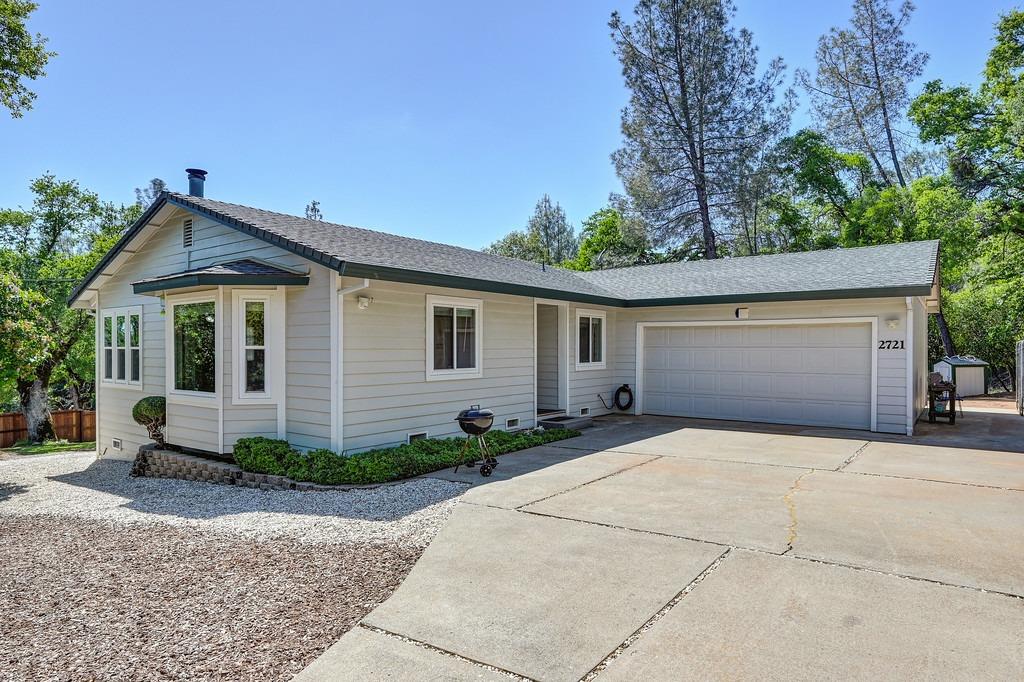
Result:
583,367
454,374
110,383
242,401
192,398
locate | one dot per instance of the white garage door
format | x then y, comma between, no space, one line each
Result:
813,374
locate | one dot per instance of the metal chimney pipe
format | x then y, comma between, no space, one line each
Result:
196,180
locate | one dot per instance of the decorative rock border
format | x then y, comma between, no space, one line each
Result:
154,462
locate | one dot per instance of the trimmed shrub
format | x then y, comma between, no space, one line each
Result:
151,412
266,456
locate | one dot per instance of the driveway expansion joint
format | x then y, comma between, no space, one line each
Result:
586,483
445,652
658,615
934,480
905,576
849,460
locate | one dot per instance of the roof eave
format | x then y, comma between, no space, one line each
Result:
457,282
200,280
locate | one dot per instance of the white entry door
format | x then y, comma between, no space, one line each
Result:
809,374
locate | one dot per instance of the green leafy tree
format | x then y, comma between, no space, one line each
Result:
23,57
982,130
697,112
56,242
608,239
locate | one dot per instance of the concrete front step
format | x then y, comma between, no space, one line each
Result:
566,422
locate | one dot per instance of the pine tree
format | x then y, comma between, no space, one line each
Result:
859,92
698,110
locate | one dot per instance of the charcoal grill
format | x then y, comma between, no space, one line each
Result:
475,422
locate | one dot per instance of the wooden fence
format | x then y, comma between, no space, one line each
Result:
76,426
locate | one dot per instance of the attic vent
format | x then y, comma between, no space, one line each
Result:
186,233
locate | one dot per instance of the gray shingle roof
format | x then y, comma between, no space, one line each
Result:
380,252
889,270
240,268
245,271
885,267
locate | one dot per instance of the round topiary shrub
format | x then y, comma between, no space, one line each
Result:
151,412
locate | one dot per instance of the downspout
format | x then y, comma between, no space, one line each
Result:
338,362
94,313
911,384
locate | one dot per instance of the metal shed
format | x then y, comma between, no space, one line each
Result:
966,371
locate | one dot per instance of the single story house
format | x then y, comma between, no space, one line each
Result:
252,322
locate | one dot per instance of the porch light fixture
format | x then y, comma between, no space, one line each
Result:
364,302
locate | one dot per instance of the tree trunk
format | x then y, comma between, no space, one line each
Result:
885,110
947,339
33,396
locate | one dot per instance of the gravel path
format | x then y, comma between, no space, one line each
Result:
107,577
79,486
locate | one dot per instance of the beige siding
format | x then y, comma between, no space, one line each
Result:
386,395
308,361
588,386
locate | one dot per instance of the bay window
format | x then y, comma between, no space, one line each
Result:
590,339
121,339
454,338
194,346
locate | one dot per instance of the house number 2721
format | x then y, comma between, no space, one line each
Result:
891,345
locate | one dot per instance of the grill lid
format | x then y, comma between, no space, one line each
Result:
475,413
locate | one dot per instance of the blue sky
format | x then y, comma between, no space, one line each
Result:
444,121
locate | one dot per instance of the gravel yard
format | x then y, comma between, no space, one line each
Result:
104,576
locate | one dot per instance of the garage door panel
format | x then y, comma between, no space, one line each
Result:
704,358
853,335
759,336
819,360
817,375
680,336
788,335
787,360
704,336
729,360
759,385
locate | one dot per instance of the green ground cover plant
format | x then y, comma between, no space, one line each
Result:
269,456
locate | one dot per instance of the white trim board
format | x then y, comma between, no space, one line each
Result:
872,320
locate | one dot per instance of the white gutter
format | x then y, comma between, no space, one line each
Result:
337,361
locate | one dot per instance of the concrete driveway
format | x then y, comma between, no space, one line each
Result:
667,549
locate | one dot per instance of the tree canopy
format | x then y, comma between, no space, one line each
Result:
23,57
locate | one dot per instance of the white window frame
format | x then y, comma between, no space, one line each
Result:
457,373
112,314
198,398
603,316
273,344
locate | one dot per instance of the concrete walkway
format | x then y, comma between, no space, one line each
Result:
667,549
